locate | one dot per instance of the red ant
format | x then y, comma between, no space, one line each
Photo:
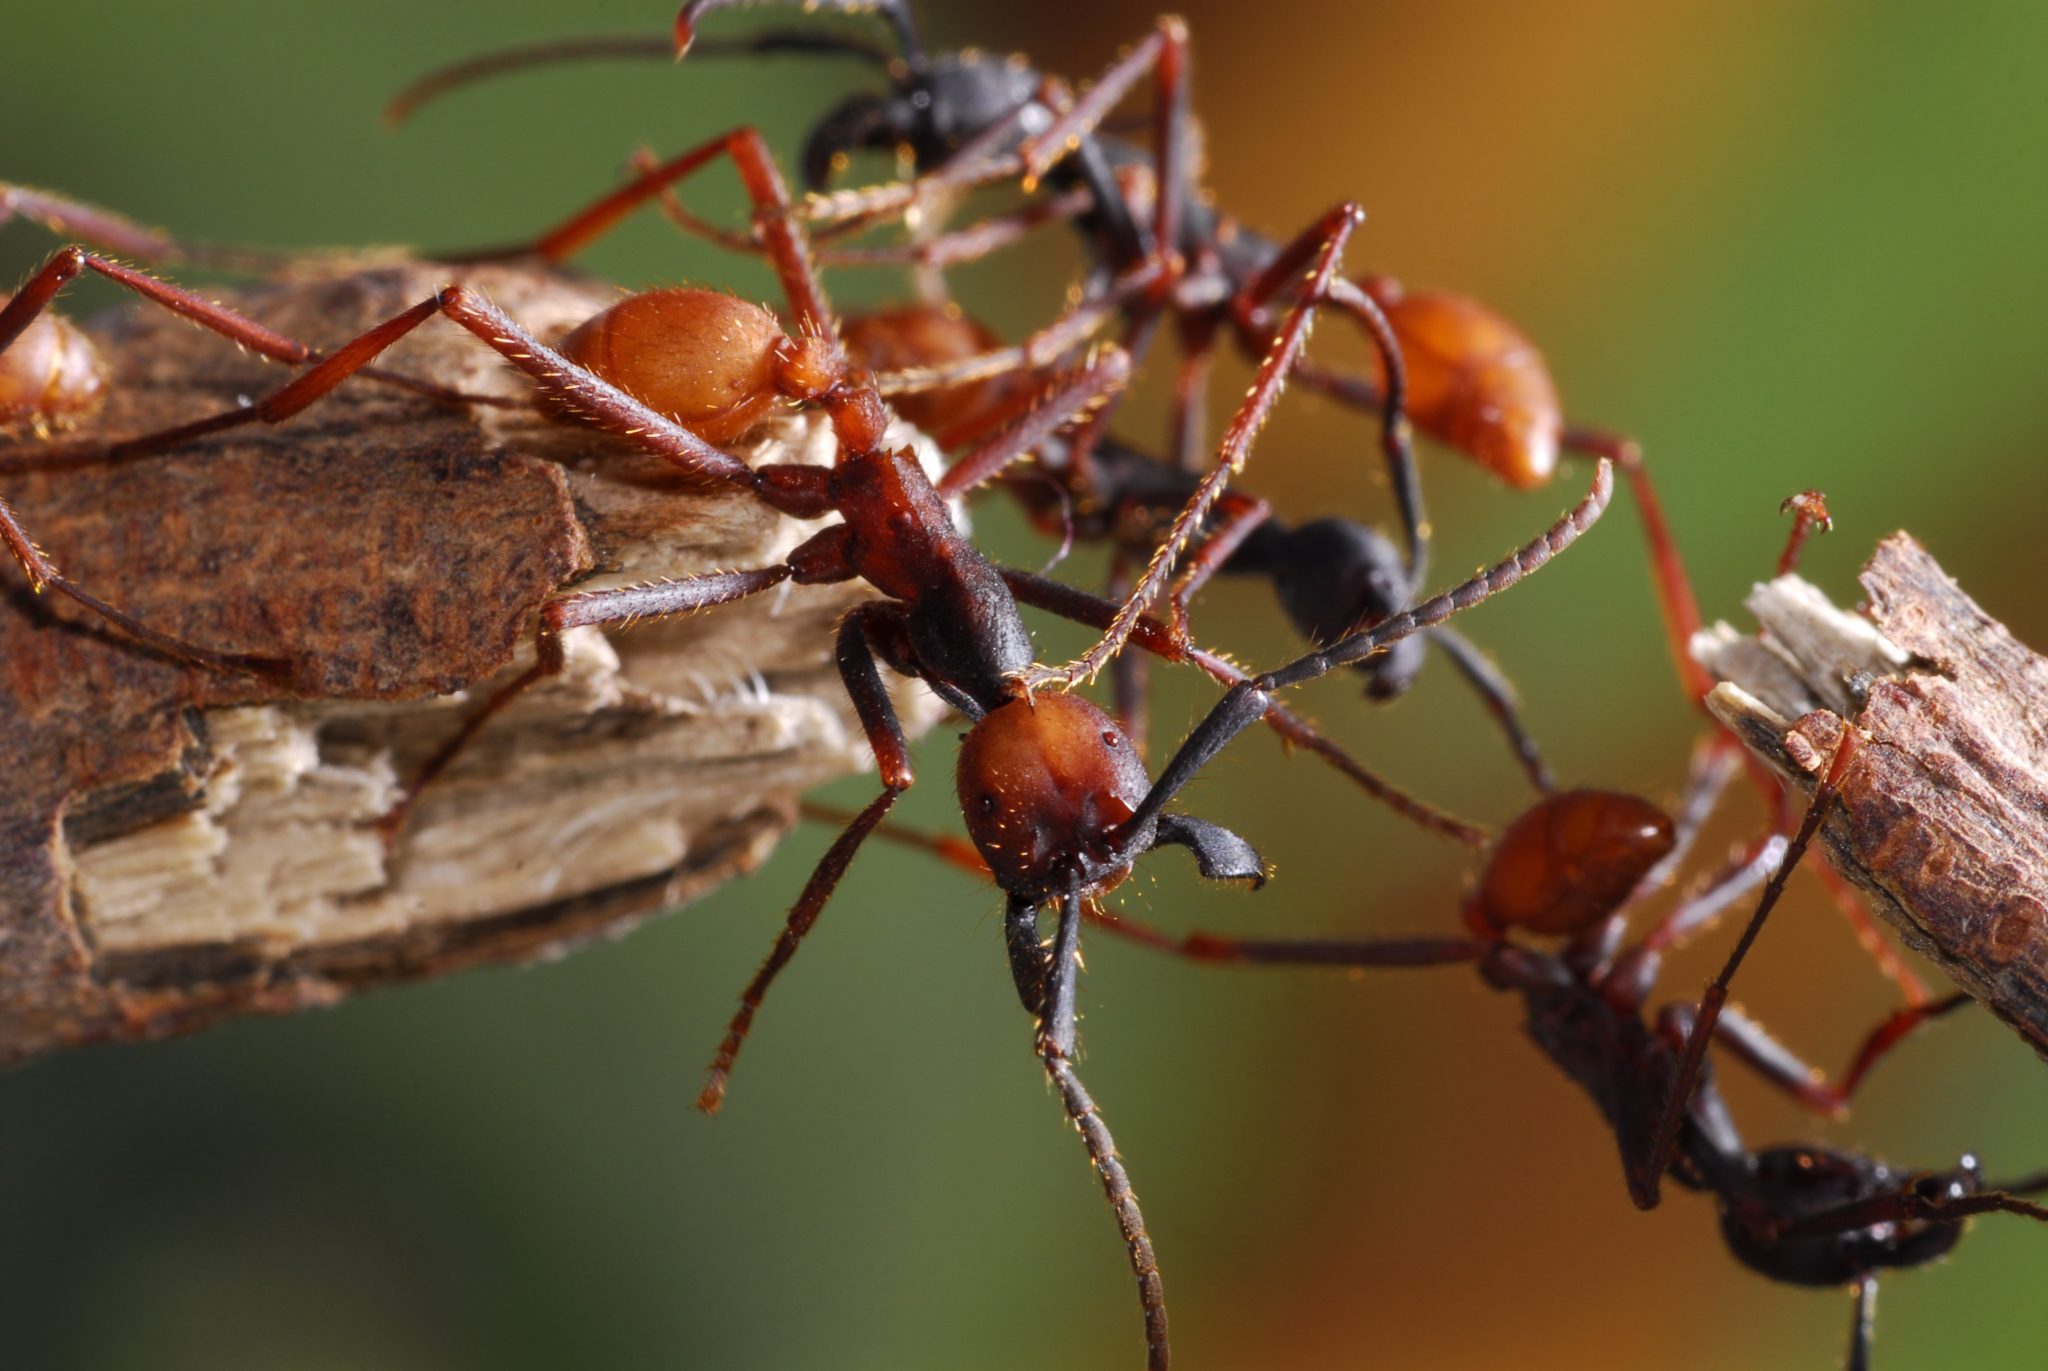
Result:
1567,873
1051,790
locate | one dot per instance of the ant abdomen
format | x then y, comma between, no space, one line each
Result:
50,375
1042,784
709,360
1474,381
1570,861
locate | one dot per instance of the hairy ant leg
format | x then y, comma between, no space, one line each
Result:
1051,995
858,634
1322,246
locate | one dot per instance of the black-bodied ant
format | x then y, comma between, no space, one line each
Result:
1051,790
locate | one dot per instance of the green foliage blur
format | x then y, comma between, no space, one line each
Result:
1786,245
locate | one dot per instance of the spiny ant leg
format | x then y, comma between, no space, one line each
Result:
1056,1039
1248,700
892,758
1066,398
1716,995
1152,636
1323,246
621,605
1497,693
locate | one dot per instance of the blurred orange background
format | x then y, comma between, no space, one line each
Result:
1787,246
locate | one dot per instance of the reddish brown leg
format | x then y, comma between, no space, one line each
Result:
1357,953
1067,397
892,757
621,605
1753,1045
1130,674
42,573
1716,996
1321,247
1237,518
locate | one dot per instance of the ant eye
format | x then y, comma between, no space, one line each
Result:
988,804
1110,738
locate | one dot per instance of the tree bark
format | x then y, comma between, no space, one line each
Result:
178,846
1943,817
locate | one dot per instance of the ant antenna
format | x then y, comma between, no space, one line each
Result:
613,47
895,13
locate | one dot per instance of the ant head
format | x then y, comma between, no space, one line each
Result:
1569,862
50,374
1046,787
710,360
937,105
1044,783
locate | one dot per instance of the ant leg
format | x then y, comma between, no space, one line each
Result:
1190,397
1750,1043
1862,1323
892,758
68,218
1716,995
67,263
1497,693
1042,349
620,605
1809,511
1354,953
1237,518
1322,246
43,574
1068,397
1056,1040
957,247
1250,698
1130,674
1151,636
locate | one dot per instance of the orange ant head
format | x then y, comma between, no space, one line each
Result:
1570,861
51,374
1043,784
707,359
1474,381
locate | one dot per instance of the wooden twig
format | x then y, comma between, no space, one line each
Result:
178,847
1943,818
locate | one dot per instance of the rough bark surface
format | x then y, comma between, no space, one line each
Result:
178,847
1943,817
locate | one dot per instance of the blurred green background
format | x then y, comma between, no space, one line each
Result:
1787,245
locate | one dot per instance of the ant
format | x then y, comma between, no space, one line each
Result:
1546,920
1051,790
